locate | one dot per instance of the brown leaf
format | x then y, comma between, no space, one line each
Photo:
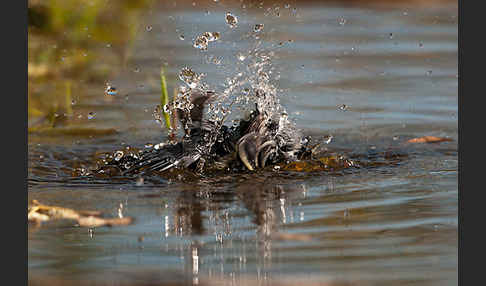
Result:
92,221
291,236
39,213
429,139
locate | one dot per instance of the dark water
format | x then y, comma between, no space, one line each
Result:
395,70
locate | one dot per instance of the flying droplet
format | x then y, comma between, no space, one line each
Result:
211,36
231,20
241,56
201,43
258,28
188,76
110,90
329,139
346,214
156,113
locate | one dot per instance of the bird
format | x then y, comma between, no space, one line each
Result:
256,142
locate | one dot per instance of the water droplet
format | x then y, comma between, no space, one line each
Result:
329,139
263,76
166,108
148,28
201,43
188,76
235,122
241,56
211,36
231,20
118,155
181,37
91,115
156,114
258,28
346,214
110,90
158,146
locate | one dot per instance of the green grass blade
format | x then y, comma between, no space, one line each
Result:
164,98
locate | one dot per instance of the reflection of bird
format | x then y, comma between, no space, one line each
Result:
255,143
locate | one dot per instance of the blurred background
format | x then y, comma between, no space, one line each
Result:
370,73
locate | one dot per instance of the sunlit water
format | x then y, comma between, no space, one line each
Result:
371,78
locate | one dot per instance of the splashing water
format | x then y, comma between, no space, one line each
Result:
191,78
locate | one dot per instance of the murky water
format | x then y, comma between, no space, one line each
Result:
370,77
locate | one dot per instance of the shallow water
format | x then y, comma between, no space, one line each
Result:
395,70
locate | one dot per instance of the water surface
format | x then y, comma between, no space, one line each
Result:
395,70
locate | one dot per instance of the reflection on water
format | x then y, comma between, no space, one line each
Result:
390,224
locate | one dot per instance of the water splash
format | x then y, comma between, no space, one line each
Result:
191,78
249,81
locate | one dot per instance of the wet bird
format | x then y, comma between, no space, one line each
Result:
257,141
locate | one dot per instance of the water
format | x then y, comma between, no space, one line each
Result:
341,79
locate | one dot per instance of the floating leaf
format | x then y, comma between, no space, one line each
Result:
40,213
429,139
